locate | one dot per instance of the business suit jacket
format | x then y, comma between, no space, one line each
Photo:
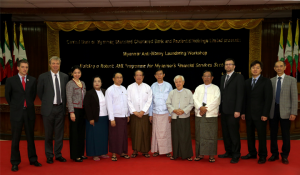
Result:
45,91
288,104
257,101
91,104
232,94
15,96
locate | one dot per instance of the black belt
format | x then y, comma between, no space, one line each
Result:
56,104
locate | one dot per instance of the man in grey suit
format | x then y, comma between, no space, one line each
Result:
51,89
283,110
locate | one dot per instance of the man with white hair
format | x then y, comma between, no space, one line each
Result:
51,89
180,102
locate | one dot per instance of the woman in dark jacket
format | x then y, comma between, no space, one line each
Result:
96,121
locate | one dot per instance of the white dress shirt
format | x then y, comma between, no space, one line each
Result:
116,102
282,77
205,93
139,97
54,86
103,109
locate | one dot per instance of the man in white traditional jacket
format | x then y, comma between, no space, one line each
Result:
139,101
206,100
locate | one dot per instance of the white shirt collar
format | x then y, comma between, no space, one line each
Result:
230,74
207,85
117,86
282,76
180,90
21,76
160,83
138,84
256,77
53,74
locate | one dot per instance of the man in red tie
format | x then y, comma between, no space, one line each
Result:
20,93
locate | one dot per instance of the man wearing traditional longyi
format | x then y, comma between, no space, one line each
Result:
116,103
207,100
160,116
139,101
180,102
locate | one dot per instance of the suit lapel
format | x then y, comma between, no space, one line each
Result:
274,86
259,81
230,79
284,83
19,82
27,84
95,95
51,81
61,83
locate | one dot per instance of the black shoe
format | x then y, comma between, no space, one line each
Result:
61,159
78,160
249,156
261,160
235,160
226,155
50,160
273,158
36,163
14,168
83,157
285,161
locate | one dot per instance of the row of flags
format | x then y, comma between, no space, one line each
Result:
8,61
290,56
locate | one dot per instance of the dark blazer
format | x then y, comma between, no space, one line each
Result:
45,91
232,94
15,96
91,104
257,101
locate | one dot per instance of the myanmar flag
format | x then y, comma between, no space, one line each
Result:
280,54
288,52
15,53
7,56
2,66
22,51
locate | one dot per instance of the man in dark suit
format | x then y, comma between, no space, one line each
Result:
20,93
232,92
256,110
283,110
51,89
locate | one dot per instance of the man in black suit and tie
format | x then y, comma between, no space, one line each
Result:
232,92
20,93
51,89
256,111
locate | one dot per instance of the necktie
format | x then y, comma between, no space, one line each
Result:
253,83
278,89
227,77
23,83
57,89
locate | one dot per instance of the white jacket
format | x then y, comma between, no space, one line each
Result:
212,102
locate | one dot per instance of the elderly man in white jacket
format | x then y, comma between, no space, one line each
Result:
206,100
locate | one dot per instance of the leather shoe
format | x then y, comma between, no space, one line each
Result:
249,156
78,160
285,161
273,158
36,163
83,157
226,155
14,168
261,160
50,160
235,160
61,159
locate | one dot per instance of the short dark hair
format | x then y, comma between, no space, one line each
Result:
138,70
22,61
159,69
230,59
256,62
75,67
116,74
211,73
280,61
96,76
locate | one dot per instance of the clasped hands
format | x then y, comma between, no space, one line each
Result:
178,111
203,110
139,114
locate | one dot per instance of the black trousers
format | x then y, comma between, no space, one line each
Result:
285,132
261,127
77,134
231,134
16,129
55,122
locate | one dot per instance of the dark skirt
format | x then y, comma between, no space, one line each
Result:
206,135
140,133
118,137
181,138
97,137
77,133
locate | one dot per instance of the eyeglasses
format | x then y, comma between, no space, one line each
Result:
206,76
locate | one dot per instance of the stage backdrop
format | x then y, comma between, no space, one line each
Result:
178,52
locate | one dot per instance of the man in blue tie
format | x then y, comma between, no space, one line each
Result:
283,110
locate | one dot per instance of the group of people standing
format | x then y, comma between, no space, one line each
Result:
104,114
